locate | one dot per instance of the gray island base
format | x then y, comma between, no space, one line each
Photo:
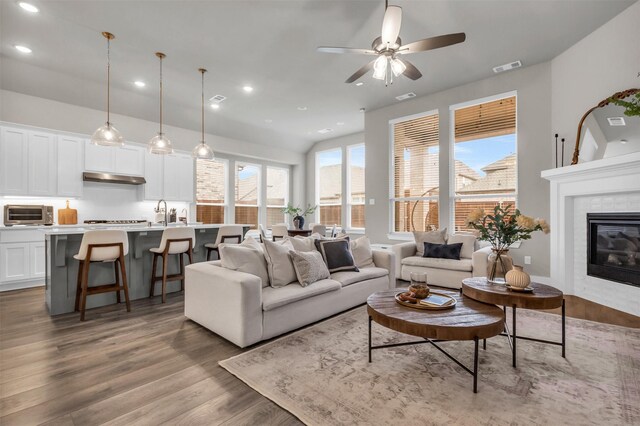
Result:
62,268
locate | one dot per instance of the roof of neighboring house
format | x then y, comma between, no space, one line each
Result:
331,183
500,177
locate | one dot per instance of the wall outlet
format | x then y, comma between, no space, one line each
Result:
372,201
527,260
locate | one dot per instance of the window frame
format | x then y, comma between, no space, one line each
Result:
226,191
317,184
347,204
452,197
286,195
393,234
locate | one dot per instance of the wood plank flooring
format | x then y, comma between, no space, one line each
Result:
150,366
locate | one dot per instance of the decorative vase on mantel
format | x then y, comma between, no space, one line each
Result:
517,277
498,264
298,222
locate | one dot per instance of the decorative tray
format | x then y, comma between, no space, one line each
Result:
520,290
419,305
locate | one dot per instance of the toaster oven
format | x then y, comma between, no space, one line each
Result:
27,215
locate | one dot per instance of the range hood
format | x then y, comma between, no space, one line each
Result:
111,178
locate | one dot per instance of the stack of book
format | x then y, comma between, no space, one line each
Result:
437,301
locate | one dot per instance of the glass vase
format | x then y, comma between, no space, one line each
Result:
498,264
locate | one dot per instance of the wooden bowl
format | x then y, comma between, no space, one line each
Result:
421,290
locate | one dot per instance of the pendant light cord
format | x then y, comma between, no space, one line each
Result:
203,71
160,94
108,78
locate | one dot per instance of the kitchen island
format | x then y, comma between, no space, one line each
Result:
62,243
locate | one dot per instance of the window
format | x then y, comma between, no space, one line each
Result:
211,179
277,194
485,162
247,195
415,163
329,190
355,186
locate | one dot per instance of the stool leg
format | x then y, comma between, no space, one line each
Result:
164,278
153,274
85,288
116,265
182,271
125,286
209,253
78,286
190,256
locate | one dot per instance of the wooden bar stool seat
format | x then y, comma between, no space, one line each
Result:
102,246
226,234
180,241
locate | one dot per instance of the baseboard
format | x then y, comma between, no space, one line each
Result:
20,285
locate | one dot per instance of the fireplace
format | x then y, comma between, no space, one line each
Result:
613,247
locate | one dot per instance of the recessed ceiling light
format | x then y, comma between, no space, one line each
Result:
623,141
247,89
302,108
268,120
359,83
22,49
139,83
215,106
363,109
28,7
340,123
323,131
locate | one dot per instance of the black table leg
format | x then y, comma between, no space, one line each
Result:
514,335
370,339
563,330
475,365
484,344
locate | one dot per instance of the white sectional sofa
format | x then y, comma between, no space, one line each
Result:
241,308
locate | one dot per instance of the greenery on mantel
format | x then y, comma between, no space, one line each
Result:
632,106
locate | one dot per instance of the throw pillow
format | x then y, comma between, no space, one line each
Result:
362,254
433,237
304,243
279,264
249,242
443,251
337,255
309,267
244,259
468,244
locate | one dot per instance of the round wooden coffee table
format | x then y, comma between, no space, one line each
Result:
542,297
467,320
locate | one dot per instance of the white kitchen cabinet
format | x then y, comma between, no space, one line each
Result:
70,166
99,158
37,263
14,262
14,176
178,178
41,164
129,160
153,174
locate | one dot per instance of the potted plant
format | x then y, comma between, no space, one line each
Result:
298,214
501,228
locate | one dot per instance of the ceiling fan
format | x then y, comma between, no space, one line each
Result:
389,48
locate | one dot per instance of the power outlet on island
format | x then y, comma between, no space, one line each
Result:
527,260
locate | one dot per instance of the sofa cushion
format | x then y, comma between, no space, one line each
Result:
273,298
336,254
279,265
433,237
244,259
351,277
443,251
468,244
309,267
430,262
362,254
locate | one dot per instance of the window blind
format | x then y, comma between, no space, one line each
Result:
495,118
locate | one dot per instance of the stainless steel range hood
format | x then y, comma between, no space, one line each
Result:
111,178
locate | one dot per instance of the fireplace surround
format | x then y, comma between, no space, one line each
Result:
613,247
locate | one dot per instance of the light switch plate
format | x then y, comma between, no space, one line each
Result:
527,260
372,201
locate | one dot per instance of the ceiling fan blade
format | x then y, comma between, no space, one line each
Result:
432,43
391,24
325,49
411,71
362,71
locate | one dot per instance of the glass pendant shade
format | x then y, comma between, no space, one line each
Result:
202,151
380,68
397,67
159,144
107,135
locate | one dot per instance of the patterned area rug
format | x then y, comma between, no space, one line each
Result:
321,375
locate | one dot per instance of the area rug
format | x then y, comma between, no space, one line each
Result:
321,375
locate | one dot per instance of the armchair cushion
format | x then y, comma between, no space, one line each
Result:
468,244
433,237
432,262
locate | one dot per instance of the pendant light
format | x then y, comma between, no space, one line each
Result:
202,151
108,135
159,144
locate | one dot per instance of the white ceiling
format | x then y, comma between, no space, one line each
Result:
271,46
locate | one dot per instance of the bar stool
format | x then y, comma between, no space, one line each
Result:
263,233
279,231
178,240
227,233
101,246
318,228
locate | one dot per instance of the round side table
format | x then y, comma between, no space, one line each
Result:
542,297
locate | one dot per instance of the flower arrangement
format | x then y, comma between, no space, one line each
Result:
299,211
502,227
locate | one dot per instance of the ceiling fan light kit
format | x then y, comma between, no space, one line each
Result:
202,151
160,144
107,135
389,46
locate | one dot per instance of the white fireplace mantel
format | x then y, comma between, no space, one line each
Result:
610,184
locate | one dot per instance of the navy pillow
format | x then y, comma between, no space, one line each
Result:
443,251
336,254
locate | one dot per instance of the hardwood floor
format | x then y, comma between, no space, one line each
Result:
150,366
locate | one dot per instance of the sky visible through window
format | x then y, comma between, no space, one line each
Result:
330,158
482,152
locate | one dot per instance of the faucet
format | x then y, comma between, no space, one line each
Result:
166,213
186,215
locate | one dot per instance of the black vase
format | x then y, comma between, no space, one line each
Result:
300,221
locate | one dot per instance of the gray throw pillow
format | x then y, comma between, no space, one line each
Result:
309,267
337,255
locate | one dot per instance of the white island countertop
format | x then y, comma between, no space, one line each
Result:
81,228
